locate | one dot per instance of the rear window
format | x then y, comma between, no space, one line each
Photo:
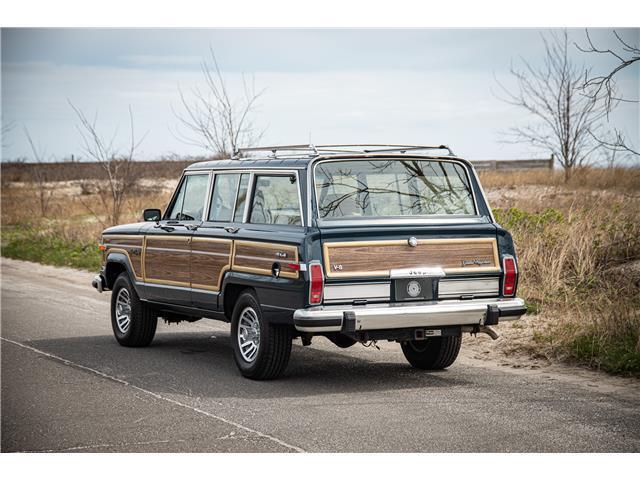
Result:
392,188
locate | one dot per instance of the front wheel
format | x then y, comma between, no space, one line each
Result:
133,321
434,353
261,349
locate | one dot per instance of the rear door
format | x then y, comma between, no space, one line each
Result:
212,244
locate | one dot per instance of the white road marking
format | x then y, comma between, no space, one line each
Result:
155,395
101,445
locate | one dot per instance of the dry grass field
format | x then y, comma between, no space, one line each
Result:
578,247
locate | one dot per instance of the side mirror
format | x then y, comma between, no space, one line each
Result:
151,215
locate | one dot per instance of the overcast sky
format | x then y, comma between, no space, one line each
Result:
335,86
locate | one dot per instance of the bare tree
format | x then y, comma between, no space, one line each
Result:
119,179
40,176
625,55
213,119
553,95
5,129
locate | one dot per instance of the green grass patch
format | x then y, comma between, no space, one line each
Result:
24,243
617,356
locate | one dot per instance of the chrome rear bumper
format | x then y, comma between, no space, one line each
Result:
98,283
335,318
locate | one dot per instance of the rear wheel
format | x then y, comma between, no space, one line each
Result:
261,349
434,353
133,321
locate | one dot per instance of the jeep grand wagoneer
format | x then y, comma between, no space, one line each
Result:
357,243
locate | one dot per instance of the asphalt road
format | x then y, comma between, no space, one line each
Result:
68,386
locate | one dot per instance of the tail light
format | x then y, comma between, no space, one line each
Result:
510,276
316,283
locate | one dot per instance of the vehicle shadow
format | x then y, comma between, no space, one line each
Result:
201,364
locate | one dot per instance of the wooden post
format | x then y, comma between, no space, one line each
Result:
551,162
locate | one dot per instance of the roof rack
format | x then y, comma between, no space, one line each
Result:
283,151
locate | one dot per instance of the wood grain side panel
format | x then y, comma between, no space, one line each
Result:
166,260
166,243
210,259
259,257
377,258
131,246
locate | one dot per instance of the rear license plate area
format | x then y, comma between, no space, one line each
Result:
414,289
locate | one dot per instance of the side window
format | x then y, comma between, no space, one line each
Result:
223,201
242,197
189,202
276,200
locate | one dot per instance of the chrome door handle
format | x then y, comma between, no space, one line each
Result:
232,229
192,227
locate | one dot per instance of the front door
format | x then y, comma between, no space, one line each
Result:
212,244
168,245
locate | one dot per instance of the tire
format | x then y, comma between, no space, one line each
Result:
142,319
435,353
267,355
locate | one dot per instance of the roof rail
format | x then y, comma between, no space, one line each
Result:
283,151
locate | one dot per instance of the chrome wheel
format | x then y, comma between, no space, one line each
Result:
249,334
123,310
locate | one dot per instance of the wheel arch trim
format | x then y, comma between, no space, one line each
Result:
120,258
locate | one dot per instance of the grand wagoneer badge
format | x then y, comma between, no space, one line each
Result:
475,261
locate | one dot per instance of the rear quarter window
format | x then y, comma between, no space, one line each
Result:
275,200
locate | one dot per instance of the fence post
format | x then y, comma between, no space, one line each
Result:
551,162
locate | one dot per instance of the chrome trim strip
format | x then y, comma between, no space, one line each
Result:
200,290
164,249
484,195
472,286
416,272
278,307
213,254
380,291
402,315
403,221
249,199
117,245
329,272
246,169
357,291
176,287
207,198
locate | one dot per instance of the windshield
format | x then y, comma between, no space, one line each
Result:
355,189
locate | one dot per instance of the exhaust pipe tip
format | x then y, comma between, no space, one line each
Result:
481,329
489,331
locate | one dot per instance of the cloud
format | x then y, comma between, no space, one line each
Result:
339,86
161,60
